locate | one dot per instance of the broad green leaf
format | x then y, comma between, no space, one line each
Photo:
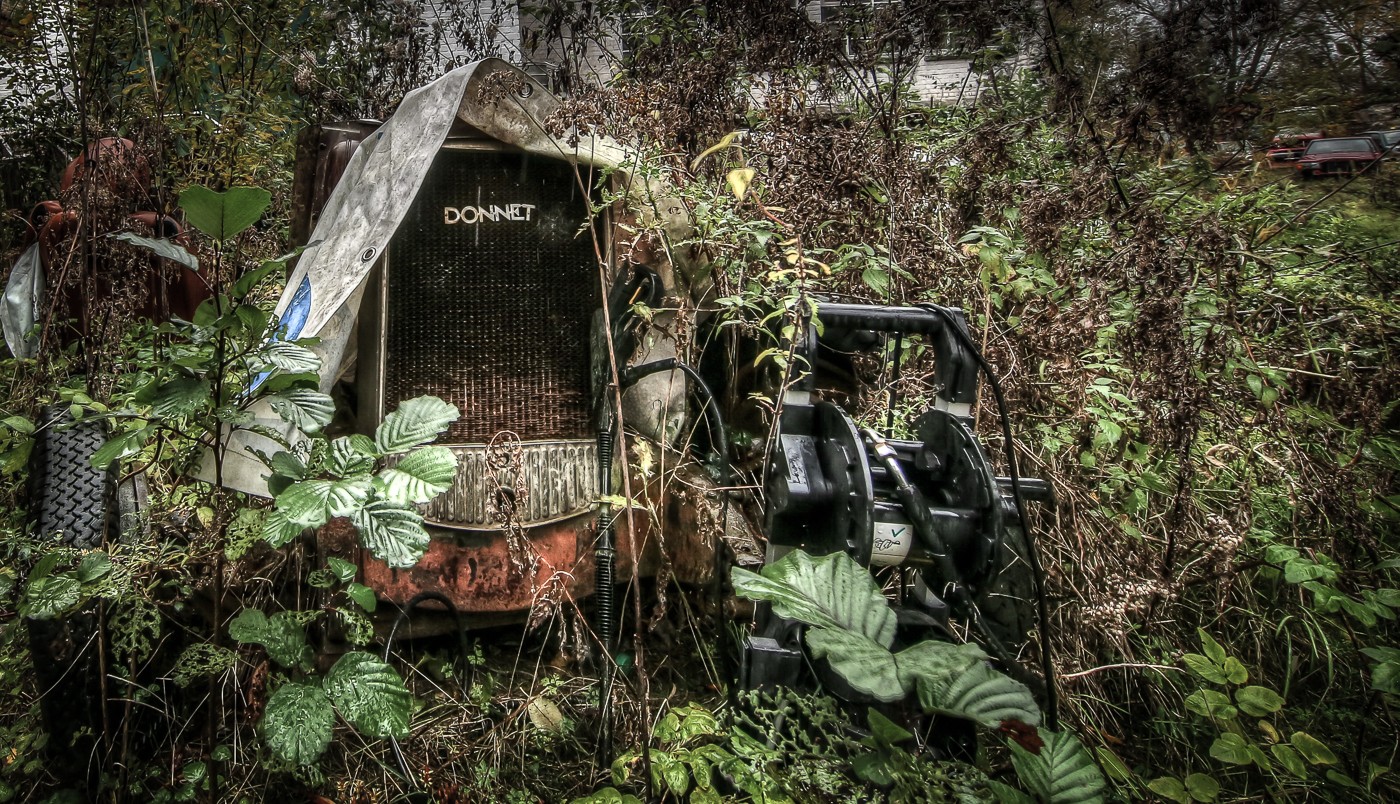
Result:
1205,668
867,666
1235,671
298,723
291,358
981,694
288,465
1312,749
304,408
370,695
278,530
51,596
886,731
282,635
19,424
1258,701
344,571
121,447
1231,749
348,456
831,591
161,247
1006,794
675,774
1062,773
1339,778
245,284
93,566
1211,648
394,534
181,397
420,476
1286,756
1202,788
1211,704
877,279
224,215
1170,789
312,503
363,596
416,421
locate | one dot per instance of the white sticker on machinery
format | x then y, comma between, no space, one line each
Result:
892,540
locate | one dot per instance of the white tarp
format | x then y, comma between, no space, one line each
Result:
24,295
370,201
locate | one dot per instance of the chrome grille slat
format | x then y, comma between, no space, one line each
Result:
561,479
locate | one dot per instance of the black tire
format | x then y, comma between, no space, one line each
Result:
72,501
73,504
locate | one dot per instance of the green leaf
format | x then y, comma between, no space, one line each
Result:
282,635
1211,704
886,731
417,421
1289,759
168,249
832,591
312,503
344,571
1312,749
278,530
181,397
224,215
253,278
877,279
1169,788
956,680
1113,764
394,534
1062,773
291,358
305,409
1205,668
363,596
1006,794
420,476
865,665
1202,788
298,723
93,566
1258,701
50,596
351,455
1212,648
121,447
675,774
370,695
19,424
1232,749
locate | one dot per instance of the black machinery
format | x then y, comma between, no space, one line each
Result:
932,507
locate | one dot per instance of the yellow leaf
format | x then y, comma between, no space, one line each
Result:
724,142
739,180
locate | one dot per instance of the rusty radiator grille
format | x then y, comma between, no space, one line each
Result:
490,297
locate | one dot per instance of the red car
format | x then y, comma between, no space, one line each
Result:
1287,147
1337,156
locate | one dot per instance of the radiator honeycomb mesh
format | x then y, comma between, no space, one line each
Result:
494,315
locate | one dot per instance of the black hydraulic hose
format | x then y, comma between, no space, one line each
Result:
719,438
1047,667
916,508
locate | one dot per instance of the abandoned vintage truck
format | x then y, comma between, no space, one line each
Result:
459,250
